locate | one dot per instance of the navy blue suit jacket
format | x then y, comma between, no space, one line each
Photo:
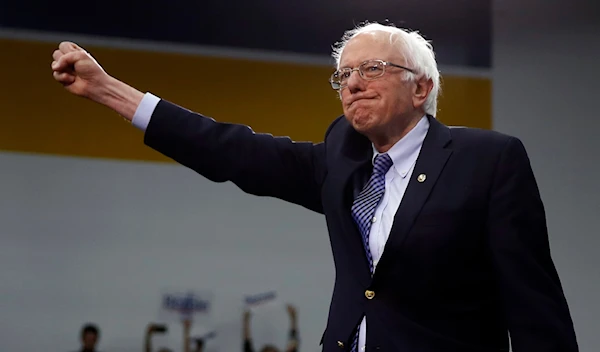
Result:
467,259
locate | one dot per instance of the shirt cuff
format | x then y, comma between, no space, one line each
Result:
144,111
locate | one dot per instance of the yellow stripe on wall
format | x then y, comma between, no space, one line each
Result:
39,116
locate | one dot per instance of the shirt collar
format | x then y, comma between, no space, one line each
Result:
405,152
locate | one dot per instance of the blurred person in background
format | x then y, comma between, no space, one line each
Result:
154,329
200,341
438,234
89,335
199,344
293,340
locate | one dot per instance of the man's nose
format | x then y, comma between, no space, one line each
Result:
355,82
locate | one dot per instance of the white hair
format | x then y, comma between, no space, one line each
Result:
417,51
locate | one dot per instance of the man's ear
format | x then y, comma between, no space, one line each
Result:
421,91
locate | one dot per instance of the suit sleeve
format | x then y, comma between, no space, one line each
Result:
535,306
259,164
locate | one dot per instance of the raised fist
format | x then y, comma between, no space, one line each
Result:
78,71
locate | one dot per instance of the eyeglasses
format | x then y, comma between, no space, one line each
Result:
368,70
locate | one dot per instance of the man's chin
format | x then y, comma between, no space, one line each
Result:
360,123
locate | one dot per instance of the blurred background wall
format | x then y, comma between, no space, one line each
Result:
94,225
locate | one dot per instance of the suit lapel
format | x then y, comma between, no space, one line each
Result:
429,165
353,170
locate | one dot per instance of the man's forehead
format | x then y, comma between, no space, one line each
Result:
368,46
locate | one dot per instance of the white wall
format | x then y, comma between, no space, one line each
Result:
92,240
546,77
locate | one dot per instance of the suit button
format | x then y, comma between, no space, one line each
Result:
369,294
340,344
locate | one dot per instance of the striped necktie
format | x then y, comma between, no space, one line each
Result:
368,199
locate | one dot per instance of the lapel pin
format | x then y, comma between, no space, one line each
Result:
421,178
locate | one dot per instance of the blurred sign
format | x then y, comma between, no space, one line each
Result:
192,305
259,299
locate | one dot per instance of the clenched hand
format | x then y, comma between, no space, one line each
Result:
83,76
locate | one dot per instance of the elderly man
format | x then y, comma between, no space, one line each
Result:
438,234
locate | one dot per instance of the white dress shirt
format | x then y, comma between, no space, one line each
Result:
141,117
404,155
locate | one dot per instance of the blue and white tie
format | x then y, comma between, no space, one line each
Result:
364,207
